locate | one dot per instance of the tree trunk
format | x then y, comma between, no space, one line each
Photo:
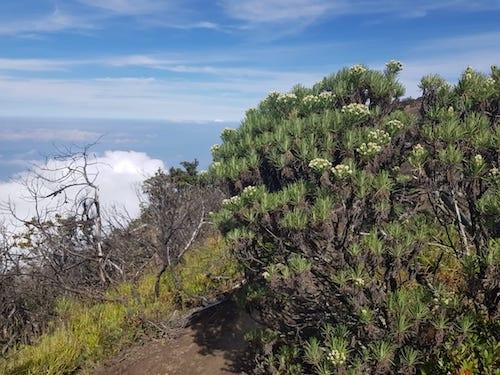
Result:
158,280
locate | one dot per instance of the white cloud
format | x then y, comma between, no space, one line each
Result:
462,43
69,135
55,21
284,11
33,65
82,16
119,175
226,98
129,7
261,11
291,15
213,85
449,57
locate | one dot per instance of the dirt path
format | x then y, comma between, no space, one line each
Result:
212,345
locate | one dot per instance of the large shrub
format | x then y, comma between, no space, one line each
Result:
369,236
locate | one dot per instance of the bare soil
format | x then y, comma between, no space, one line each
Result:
213,344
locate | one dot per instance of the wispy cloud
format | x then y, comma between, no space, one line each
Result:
83,16
183,64
284,11
448,57
130,7
146,97
243,15
462,42
55,21
34,65
67,135
264,11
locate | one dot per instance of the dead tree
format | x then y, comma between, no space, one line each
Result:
176,210
65,227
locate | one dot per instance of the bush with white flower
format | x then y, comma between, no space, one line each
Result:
214,149
363,215
357,69
393,66
320,165
478,165
337,357
369,149
234,201
356,110
228,133
342,171
394,126
417,156
311,103
379,136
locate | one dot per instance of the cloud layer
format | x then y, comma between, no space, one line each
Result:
119,174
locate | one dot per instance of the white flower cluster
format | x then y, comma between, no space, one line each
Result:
490,81
357,69
310,99
369,149
231,201
342,171
358,281
418,151
337,357
319,164
287,98
468,74
494,172
356,109
249,191
394,66
394,125
478,160
228,131
325,95
379,136
214,148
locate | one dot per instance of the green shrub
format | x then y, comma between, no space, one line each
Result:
369,248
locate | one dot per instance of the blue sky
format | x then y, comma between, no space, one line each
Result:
165,76
210,60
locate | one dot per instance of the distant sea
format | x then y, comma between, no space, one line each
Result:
23,140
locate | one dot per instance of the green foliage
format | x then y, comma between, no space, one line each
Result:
374,230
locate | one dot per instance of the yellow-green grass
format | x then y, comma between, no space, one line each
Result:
85,333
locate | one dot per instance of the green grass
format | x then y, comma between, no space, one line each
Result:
84,334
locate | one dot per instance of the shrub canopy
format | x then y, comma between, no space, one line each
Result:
369,234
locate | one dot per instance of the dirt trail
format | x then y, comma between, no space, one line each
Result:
212,345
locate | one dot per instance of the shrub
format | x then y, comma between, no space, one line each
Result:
372,245
85,333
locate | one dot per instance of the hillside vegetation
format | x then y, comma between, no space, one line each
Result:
83,333
363,230
368,235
